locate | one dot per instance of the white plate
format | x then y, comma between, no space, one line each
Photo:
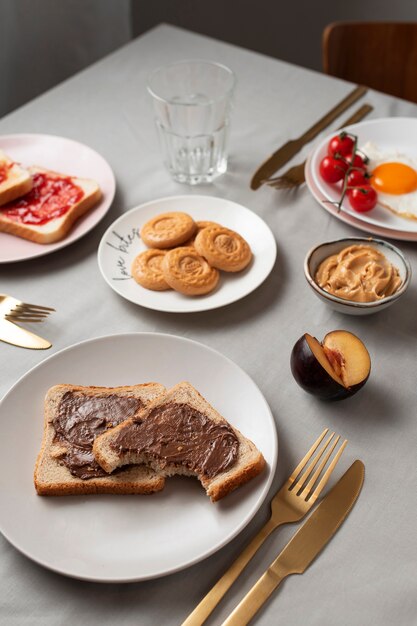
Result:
347,218
128,538
398,134
68,157
121,243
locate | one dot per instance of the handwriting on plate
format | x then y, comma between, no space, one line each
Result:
122,244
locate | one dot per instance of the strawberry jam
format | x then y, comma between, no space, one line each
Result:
4,171
51,197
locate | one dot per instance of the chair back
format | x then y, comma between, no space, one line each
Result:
381,55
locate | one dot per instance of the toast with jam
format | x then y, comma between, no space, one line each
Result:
49,208
74,416
15,181
181,433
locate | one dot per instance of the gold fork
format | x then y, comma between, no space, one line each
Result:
17,311
294,176
295,498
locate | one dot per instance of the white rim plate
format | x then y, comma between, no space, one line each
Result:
389,134
121,243
348,219
68,157
128,538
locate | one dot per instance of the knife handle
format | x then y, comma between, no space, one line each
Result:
216,593
254,599
334,113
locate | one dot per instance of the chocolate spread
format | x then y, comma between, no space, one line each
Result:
179,434
80,419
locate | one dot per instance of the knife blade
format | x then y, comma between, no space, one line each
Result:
290,149
305,545
17,336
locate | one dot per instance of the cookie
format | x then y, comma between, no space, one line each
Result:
147,270
187,272
223,248
168,230
200,225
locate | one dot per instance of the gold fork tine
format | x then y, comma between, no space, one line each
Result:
299,484
326,476
23,319
29,312
307,457
306,490
37,307
293,177
22,316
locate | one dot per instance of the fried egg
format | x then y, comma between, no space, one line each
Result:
394,178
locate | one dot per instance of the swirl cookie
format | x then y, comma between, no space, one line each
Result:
168,230
200,225
147,270
187,272
223,248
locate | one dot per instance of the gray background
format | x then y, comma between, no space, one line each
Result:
367,574
44,41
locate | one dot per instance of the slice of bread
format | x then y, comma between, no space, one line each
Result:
15,181
53,478
248,461
57,227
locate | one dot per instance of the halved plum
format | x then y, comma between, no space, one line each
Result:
334,369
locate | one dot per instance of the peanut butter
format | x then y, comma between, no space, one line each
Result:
358,273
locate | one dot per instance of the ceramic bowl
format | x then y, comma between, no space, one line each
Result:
317,254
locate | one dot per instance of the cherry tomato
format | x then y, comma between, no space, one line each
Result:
356,161
362,198
342,144
332,169
358,178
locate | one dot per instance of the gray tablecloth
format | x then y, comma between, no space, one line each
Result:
367,575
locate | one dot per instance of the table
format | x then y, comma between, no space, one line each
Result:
368,573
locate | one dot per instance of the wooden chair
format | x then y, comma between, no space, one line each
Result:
381,55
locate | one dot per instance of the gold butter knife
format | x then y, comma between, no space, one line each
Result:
17,336
305,545
290,149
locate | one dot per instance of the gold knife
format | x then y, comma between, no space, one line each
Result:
290,149
305,545
17,336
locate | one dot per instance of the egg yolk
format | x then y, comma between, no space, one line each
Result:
394,178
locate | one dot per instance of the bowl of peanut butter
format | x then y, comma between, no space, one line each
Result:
357,275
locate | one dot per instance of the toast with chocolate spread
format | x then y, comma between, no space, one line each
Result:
180,433
74,416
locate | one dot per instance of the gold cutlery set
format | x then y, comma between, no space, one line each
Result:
299,493
14,311
290,504
294,176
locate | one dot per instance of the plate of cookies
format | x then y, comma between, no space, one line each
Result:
184,254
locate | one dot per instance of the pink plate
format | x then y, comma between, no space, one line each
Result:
61,155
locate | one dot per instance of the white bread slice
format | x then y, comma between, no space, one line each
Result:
18,180
54,229
249,461
53,478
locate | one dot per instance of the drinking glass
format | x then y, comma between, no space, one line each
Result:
192,102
